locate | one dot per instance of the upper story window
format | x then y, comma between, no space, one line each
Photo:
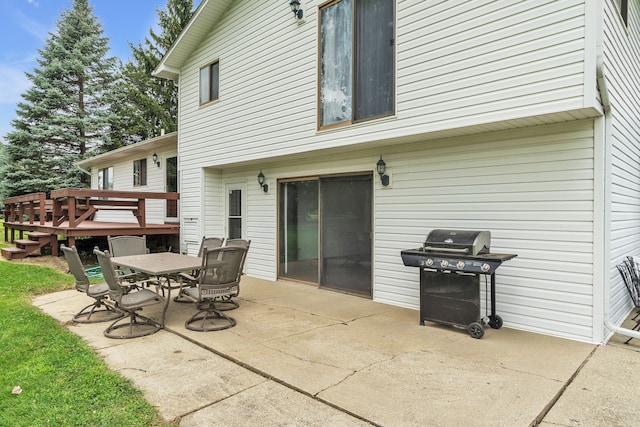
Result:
139,172
105,179
357,61
209,82
623,8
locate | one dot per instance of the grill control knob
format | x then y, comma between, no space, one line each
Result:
429,262
444,263
460,265
485,267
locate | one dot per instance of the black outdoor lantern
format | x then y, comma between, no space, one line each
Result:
381,167
155,160
264,186
295,8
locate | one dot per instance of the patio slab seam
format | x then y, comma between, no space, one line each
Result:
214,402
271,377
545,410
264,303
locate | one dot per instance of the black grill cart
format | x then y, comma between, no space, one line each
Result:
452,263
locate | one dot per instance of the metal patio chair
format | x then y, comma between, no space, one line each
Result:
627,271
218,277
209,243
633,264
102,310
129,298
129,245
226,303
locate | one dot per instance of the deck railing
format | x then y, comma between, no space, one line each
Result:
79,204
30,208
75,205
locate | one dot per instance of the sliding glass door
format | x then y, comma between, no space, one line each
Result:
325,232
299,230
346,233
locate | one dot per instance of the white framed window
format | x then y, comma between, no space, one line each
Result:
139,172
209,82
105,178
357,61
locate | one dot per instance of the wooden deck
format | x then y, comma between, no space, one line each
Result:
70,213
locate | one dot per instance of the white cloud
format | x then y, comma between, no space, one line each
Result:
13,83
36,29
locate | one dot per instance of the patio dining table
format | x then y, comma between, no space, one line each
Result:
162,265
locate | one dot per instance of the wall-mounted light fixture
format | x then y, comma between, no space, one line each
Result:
295,8
264,186
381,167
155,160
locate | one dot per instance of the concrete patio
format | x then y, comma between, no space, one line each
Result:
302,356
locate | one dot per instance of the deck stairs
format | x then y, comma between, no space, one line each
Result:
35,240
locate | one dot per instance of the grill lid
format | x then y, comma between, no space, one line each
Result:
468,242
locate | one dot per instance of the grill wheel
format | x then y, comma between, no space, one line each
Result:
476,330
495,322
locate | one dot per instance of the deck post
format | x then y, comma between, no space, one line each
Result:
142,213
71,201
43,207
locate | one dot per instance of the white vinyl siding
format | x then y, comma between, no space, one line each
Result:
457,66
123,181
496,117
532,188
622,47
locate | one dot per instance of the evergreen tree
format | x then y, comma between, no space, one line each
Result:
3,162
67,111
150,104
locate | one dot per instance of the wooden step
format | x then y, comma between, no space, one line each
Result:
35,235
13,253
25,242
36,240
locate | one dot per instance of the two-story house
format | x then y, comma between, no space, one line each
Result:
517,117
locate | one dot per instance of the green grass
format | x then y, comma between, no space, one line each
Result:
64,383
3,244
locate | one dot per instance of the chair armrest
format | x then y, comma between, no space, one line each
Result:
185,277
129,276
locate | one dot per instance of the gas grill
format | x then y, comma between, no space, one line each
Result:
451,263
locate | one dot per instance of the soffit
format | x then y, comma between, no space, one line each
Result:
204,19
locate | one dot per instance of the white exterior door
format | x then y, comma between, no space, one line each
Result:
235,210
171,185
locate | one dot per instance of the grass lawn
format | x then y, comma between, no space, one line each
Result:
63,381
3,244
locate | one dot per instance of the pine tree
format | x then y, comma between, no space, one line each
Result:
150,104
67,111
3,162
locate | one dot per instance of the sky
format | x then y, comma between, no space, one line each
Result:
25,26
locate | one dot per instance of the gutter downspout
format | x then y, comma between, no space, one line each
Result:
606,104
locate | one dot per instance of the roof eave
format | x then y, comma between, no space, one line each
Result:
166,72
157,143
205,17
